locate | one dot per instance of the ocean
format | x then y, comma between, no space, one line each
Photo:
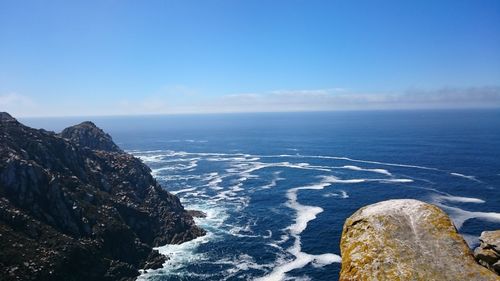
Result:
277,187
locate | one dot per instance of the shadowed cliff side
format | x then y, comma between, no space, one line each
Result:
74,206
406,240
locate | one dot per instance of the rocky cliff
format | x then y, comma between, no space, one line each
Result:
74,206
488,252
87,134
406,240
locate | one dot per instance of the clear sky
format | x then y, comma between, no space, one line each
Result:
112,57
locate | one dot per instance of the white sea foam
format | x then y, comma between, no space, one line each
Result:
459,216
174,167
195,194
332,179
155,156
151,158
393,180
179,255
243,231
301,259
304,214
178,177
244,262
350,159
351,180
341,194
304,166
376,162
175,192
156,172
274,180
356,168
299,278
214,182
237,187
472,178
459,199
239,263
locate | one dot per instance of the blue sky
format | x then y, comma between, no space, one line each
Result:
152,57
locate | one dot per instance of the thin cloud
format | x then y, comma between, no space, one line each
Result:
331,99
17,104
328,99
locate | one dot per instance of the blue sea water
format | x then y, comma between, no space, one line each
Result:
277,187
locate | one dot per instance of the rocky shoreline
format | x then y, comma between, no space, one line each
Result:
410,240
488,252
74,206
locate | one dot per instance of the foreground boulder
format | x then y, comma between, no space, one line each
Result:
76,207
406,240
488,252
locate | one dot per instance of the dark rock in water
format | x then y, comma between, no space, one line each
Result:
87,134
196,214
155,260
77,208
488,252
406,240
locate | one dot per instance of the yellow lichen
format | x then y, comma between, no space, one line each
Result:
381,247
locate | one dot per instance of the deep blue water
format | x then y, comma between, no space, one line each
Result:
278,187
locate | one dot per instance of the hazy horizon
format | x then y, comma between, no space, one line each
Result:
352,111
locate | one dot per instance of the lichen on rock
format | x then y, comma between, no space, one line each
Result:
406,240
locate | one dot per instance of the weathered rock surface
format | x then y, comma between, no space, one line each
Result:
406,240
87,134
78,208
488,252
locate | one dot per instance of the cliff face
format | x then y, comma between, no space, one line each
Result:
406,240
75,207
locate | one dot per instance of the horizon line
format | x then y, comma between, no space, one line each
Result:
483,108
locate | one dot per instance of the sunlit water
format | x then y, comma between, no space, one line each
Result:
277,188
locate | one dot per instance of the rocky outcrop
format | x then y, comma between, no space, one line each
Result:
406,240
488,252
87,134
197,214
75,207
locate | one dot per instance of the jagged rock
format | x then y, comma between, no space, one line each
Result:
155,260
197,214
488,252
80,211
6,117
87,134
406,240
